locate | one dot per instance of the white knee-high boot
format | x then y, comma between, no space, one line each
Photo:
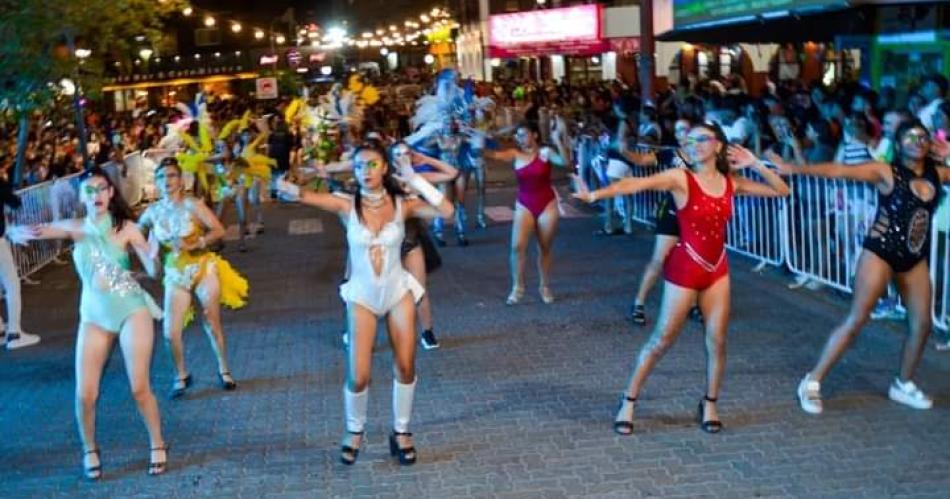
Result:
355,406
402,405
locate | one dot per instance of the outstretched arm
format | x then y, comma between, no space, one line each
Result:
324,201
62,229
504,155
774,186
872,172
667,180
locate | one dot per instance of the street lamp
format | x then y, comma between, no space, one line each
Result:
236,27
429,59
258,34
209,21
280,39
187,11
145,53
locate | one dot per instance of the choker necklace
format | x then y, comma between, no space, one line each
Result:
373,199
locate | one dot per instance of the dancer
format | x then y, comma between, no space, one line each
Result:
697,267
186,228
112,305
450,152
536,209
896,248
419,255
379,286
667,233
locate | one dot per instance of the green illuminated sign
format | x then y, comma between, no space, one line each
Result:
691,12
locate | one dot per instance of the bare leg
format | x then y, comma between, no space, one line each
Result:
547,229
915,290
715,305
661,249
177,302
402,337
136,339
869,284
522,227
92,352
677,301
209,293
362,327
416,265
675,306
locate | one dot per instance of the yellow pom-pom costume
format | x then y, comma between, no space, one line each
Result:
175,226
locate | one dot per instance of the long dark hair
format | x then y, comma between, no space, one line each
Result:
119,209
722,158
905,127
390,184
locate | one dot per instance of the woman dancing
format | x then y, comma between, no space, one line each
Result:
536,206
112,305
896,248
186,227
667,232
697,267
378,286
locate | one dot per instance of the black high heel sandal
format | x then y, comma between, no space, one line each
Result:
227,381
179,387
624,427
713,426
156,468
407,455
92,473
349,454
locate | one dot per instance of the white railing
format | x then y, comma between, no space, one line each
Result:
940,263
817,232
43,203
59,199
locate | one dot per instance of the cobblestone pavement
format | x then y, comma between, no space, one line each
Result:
518,401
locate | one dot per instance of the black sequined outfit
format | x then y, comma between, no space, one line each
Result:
901,231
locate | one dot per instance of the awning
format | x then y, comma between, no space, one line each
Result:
817,27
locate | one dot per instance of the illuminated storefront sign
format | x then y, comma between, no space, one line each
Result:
569,31
698,12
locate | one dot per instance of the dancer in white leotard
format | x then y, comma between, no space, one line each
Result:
379,286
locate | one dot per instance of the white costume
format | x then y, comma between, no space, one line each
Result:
378,292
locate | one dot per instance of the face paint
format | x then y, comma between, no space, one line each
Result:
92,190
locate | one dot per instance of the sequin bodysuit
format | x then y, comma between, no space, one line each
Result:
901,231
109,292
699,259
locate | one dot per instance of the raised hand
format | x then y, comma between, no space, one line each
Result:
21,235
740,157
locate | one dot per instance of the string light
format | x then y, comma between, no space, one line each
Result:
209,21
236,27
187,11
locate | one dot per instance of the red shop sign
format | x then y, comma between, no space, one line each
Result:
569,31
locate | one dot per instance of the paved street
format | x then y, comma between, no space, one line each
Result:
518,402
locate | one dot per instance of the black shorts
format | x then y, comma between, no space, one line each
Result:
666,222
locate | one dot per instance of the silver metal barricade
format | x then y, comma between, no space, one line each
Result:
827,222
43,203
940,263
759,226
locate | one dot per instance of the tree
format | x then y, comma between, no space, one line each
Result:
38,39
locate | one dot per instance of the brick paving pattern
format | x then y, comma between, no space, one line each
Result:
518,402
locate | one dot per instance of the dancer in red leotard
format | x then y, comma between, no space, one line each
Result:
696,269
534,186
699,258
536,209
